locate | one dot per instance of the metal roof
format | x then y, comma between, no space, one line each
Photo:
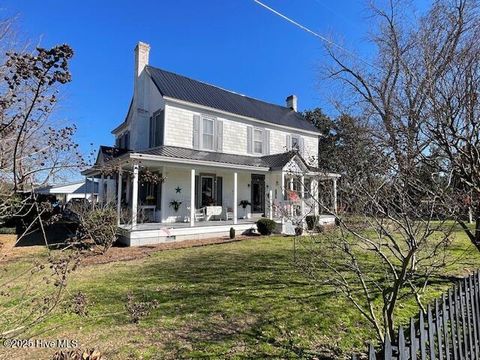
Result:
182,88
275,161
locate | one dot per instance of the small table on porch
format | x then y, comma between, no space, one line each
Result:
151,208
211,211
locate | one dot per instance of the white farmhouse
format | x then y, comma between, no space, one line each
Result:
213,149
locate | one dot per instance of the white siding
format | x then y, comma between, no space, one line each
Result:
179,132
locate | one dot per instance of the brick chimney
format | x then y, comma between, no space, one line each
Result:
142,50
292,102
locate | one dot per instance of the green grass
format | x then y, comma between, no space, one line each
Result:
238,300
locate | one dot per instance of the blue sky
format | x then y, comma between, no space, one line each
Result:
235,44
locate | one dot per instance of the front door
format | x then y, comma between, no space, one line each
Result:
208,197
258,193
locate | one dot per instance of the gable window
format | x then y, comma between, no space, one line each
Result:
156,128
258,141
207,133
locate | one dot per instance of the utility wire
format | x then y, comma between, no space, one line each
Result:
321,37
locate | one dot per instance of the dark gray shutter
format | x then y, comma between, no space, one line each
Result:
198,193
266,142
301,146
219,195
196,131
289,143
219,135
249,139
151,132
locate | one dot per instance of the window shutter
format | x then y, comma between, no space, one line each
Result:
301,146
249,139
219,135
196,131
127,140
266,142
289,143
151,132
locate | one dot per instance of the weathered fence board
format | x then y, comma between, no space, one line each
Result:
449,330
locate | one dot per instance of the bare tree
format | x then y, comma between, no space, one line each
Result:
395,240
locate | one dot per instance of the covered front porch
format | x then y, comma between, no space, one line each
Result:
160,200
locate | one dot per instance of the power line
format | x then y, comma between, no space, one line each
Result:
311,32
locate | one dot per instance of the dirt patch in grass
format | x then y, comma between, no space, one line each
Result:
118,253
9,252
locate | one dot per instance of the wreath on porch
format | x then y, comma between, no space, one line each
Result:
175,205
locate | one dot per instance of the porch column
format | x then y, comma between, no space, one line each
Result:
235,199
86,184
92,193
283,198
127,190
334,195
314,195
302,196
119,196
192,197
101,195
291,191
270,203
135,195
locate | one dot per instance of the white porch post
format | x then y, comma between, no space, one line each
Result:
314,195
335,195
235,200
192,197
92,193
127,190
291,202
270,203
119,196
101,195
302,196
283,197
135,195
86,185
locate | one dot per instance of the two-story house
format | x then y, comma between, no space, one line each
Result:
188,153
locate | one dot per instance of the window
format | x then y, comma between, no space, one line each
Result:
156,129
207,133
258,141
295,142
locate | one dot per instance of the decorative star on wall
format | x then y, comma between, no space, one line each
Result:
178,189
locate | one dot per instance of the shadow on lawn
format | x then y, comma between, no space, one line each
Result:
254,300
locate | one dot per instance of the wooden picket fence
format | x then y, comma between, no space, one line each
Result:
450,330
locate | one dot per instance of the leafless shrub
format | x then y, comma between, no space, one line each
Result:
138,309
79,304
78,354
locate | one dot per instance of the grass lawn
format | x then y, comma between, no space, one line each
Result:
237,300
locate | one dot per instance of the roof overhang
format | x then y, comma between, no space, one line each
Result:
171,160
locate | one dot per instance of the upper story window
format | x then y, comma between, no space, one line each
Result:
123,141
258,141
208,126
156,128
207,133
295,142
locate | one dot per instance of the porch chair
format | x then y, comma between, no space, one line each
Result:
229,214
200,214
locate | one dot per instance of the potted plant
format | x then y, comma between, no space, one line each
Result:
150,200
244,204
175,205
